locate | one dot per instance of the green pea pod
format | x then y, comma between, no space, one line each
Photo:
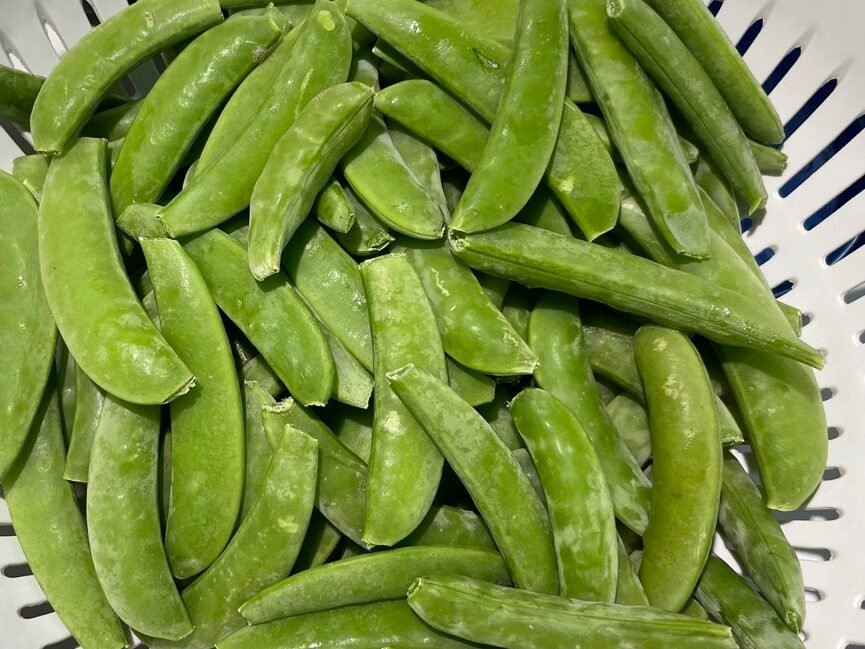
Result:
498,415
88,291
105,53
66,377
515,619
299,167
543,211
258,371
494,18
578,500
631,419
770,160
333,209
368,235
476,388
353,427
89,400
27,330
578,86
318,60
50,529
517,308
270,314
123,522
32,170
113,123
319,543
629,590
730,599
18,90
628,283
497,485
496,289
686,467
258,449
369,578
405,466
689,150
445,525
556,335
422,161
352,384
527,464
711,182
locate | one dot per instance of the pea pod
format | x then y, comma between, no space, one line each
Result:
476,388
543,211
405,466
65,368
333,209
368,235
352,384
689,150
320,541
631,420
31,170
629,590
257,446
113,123
498,415
422,161
770,160
686,467
517,308
446,525
89,400
19,91
257,370
527,464
353,427
720,192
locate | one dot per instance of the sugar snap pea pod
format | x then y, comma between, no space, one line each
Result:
711,182
299,167
695,610
257,370
760,545
18,90
476,388
496,288
31,170
498,416
405,465
368,235
123,522
107,52
27,331
353,427
258,449
207,424
631,420
89,400
686,467
352,384
578,500
112,123
320,541
333,209
446,525
88,292
515,619
527,464
577,89
770,160
422,161
628,283
503,494
729,598
66,375
517,308
542,211
629,590
270,313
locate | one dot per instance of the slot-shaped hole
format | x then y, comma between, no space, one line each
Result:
749,36
807,319
819,514
845,249
764,255
6,529
832,473
853,294
746,224
861,337
90,12
810,106
14,570
16,61
65,643
18,138
854,645
784,66
813,554
827,393
35,610
833,432
814,595
783,288
715,6
833,205
54,38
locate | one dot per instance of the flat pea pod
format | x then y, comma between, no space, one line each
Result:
270,313
298,168
728,598
631,419
577,89
524,132
181,102
369,578
556,335
473,331
19,90
353,427
123,522
103,55
720,192
628,283
760,545
476,388
686,467
517,308
352,384
498,415
629,590
28,332
770,160
262,551
578,500
320,541
89,293
543,211
422,161
515,619
32,170
257,446
368,235
405,466
65,368
51,531
333,209
89,400
527,464
502,493
256,369
207,424
446,525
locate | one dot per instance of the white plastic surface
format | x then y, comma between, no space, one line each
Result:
830,531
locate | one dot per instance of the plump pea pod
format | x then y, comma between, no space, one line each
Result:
686,467
498,416
105,53
492,18
770,160
476,388
123,522
689,150
352,384
32,170
446,525
556,335
577,89
256,369
526,125
760,545
333,209
299,167
270,313
113,123
320,541
503,494
629,590
18,90
368,235
207,424
728,598
369,578
181,102
27,331
628,283
631,419
422,162
711,182
405,466
89,400
473,331
353,427
543,211
262,551
51,532
257,446
578,500
663,55
514,619
318,60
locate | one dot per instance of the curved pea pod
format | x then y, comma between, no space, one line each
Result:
578,500
527,464
270,314
476,388
628,283
446,525
18,90
686,467
27,330
320,541
123,522
556,335
498,415
257,370
65,368
543,211
405,465
770,160
517,308
515,619
257,446
32,170
721,194
50,529
728,598
353,427
333,209
319,59
631,419
422,162
629,590
299,167
369,578
107,52
760,545
368,235
207,424
503,494
113,123
352,384
89,400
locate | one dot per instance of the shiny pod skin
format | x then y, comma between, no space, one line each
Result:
258,449
446,525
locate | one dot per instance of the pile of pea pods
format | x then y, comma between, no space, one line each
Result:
381,323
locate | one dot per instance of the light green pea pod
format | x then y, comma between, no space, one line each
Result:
577,89
631,419
258,371
695,610
368,235
66,386
517,308
353,427
333,209
320,541
493,18
629,590
498,415
527,464
721,194
19,91
446,525
89,399
689,150
542,211
476,388
422,161
496,289
771,161
32,170
112,123
352,384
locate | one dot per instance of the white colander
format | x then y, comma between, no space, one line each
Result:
812,55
